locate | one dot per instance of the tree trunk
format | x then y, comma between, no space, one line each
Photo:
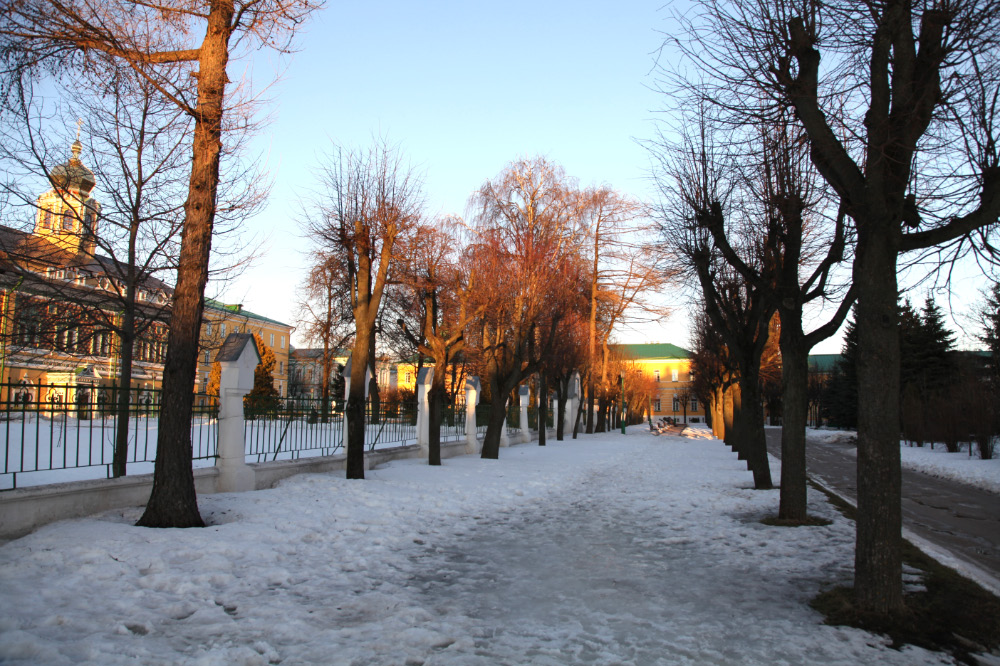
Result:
436,400
590,403
120,458
494,428
750,430
543,408
795,408
602,412
173,501
354,412
562,391
878,553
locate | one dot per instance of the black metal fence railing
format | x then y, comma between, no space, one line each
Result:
47,431
289,429
513,418
393,423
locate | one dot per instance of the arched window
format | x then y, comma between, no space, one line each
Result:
67,219
46,219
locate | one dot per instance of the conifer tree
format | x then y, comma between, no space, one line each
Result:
989,321
263,395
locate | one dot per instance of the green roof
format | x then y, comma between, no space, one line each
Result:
654,350
823,362
240,310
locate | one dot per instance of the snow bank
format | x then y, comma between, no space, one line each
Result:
605,549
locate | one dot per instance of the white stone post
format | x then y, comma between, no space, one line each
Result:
572,403
472,390
523,394
238,358
424,379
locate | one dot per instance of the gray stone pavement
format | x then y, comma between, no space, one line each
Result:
958,518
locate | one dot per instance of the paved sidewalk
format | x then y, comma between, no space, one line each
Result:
962,520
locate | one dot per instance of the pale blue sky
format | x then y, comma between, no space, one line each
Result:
464,89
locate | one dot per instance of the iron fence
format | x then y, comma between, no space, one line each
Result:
390,423
513,417
48,430
288,429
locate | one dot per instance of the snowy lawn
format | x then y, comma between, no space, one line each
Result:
937,462
639,549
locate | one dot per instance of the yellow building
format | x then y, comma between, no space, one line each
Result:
670,368
60,302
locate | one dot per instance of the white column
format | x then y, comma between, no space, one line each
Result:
235,382
523,394
471,401
424,379
572,403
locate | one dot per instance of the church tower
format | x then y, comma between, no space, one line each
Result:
67,214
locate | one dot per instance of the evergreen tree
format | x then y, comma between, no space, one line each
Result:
263,395
989,321
912,348
938,367
842,389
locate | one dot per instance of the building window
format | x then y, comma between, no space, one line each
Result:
282,342
656,374
272,339
208,328
656,405
677,404
281,367
406,378
673,375
207,358
46,219
67,219
222,329
694,404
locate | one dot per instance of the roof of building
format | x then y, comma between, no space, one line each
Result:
23,249
238,309
654,350
823,362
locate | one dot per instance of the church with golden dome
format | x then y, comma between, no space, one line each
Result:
62,304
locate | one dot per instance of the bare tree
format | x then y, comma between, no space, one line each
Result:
369,200
625,277
153,40
901,121
442,288
525,248
325,316
698,191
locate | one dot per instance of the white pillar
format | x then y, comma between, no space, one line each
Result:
523,394
572,403
238,358
424,379
471,401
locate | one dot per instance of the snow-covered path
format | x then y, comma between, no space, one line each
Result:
603,550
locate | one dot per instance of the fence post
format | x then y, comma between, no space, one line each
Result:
572,401
471,401
524,394
238,357
424,378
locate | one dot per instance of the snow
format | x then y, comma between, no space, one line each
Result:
608,549
984,474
